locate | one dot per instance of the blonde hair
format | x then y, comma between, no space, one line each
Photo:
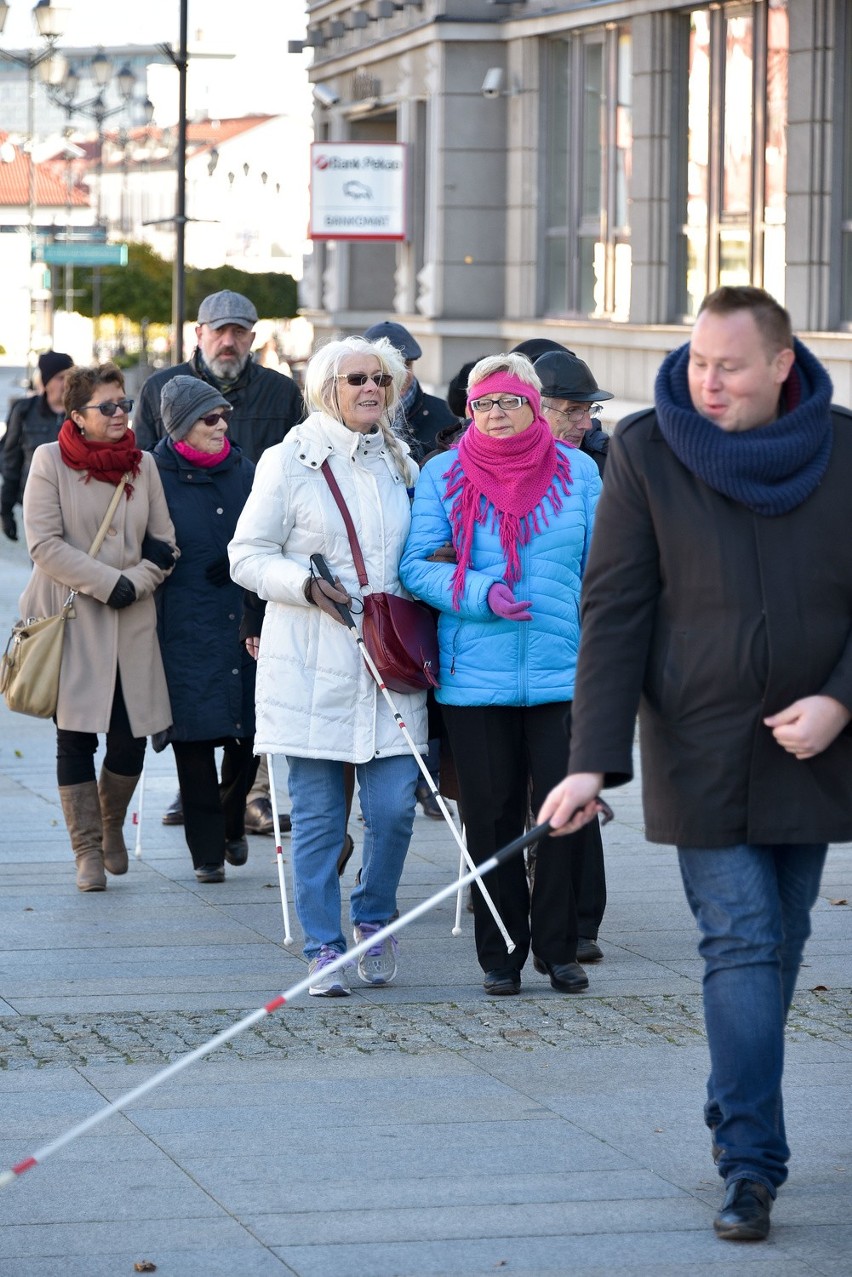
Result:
321,377
513,363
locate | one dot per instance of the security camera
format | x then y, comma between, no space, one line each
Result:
492,85
325,96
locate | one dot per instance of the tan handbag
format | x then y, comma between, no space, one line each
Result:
30,666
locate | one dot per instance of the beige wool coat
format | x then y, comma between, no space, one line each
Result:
62,514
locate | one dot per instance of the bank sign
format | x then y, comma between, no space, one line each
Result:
358,190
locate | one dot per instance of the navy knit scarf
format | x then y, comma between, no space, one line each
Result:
770,469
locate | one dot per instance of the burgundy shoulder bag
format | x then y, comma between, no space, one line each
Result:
400,635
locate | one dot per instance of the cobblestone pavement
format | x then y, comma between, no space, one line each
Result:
45,1041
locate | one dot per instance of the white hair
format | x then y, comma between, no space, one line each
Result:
321,377
516,364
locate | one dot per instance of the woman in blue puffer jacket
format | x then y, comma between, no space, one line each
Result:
517,508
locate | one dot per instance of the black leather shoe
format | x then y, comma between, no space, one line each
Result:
744,1216
173,815
428,802
565,977
236,851
258,818
502,983
588,950
210,873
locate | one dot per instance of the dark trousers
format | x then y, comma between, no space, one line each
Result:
213,812
75,751
507,757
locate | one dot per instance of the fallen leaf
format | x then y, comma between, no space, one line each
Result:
18,753
145,1266
820,988
28,909
840,901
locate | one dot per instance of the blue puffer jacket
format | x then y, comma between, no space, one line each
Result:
210,674
486,660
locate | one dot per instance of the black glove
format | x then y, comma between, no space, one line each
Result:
219,571
160,553
10,527
123,594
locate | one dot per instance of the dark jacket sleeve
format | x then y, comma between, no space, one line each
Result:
13,457
147,422
618,610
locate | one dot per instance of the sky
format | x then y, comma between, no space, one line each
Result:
261,78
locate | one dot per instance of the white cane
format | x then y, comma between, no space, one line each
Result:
322,568
459,894
137,815
279,855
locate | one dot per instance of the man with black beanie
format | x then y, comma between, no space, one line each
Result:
32,421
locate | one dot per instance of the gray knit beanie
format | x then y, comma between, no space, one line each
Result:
183,400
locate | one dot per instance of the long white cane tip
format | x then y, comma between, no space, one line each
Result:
456,931
6,1177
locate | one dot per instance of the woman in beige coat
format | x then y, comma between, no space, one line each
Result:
111,678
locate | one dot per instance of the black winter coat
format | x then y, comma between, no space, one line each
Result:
31,423
427,415
265,403
715,617
210,674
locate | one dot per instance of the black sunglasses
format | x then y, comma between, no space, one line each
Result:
224,414
109,409
361,378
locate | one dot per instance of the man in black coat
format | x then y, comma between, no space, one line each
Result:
32,421
265,402
423,414
265,405
570,403
718,599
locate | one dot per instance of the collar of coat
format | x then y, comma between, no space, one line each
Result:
321,436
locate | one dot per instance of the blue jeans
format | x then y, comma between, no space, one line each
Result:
752,905
386,792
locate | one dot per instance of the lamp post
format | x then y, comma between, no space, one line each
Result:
49,21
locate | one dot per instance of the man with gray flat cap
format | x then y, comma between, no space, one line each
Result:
570,403
423,415
265,403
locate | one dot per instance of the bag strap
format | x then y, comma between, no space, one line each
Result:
107,519
350,526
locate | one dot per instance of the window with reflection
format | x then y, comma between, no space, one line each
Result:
586,166
736,172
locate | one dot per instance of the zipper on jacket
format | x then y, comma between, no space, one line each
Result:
524,627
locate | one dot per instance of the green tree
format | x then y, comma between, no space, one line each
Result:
273,293
141,290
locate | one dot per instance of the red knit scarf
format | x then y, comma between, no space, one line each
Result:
106,462
505,480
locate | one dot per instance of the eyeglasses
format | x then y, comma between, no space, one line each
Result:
573,414
109,409
382,379
508,403
224,414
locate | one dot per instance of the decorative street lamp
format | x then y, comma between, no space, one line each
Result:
49,20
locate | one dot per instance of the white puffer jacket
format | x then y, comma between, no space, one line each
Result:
315,696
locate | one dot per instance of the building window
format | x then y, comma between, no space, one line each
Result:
846,211
736,150
586,159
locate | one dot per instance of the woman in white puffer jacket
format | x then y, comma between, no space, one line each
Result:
316,701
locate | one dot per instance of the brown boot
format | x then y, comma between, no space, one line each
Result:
115,793
82,811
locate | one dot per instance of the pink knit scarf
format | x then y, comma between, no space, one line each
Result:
206,460
504,480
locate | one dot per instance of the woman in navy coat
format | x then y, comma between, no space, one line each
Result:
210,675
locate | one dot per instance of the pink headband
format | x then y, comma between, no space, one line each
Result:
504,383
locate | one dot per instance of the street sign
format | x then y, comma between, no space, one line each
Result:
84,254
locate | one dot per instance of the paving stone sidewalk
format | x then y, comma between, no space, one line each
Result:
418,1130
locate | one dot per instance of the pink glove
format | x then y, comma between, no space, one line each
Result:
502,602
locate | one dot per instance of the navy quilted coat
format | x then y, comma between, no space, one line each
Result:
485,660
210,675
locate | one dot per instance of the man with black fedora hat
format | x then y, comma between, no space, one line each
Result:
424,415
265,404
32,421
570,399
